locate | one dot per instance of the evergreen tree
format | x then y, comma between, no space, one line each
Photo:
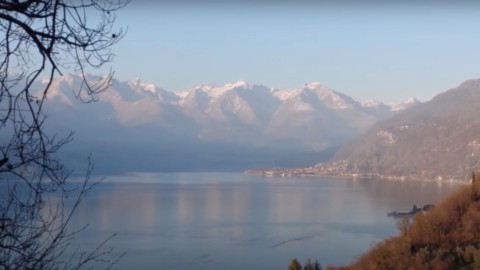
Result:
295,265
309,265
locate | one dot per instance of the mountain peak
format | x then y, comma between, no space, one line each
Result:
470,83
405,104
238,84
142,85
321,90
329,97
437,139
314,85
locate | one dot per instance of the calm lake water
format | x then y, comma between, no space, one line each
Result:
237,221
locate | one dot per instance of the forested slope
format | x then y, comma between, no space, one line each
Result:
446,237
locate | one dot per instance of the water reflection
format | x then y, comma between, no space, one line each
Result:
188,220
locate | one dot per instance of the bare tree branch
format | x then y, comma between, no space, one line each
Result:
44,38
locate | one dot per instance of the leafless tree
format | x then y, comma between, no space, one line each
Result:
40,39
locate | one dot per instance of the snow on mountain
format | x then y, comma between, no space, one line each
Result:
400,106
139,84
238,84
329,97
235,112
130,103
213,91
60,90
282,95
370,103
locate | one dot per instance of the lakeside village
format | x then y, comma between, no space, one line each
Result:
336,168
340,169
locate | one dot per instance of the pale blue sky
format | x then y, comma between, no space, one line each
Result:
366,49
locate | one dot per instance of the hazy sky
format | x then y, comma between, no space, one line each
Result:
366,49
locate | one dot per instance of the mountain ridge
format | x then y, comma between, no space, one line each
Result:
255,120
233,106
434,140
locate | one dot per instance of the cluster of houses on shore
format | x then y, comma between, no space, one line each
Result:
337,168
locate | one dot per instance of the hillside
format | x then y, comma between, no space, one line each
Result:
445,237
312,116
433,140
135,125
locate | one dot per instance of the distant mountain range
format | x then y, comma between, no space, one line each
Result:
136,125
439,139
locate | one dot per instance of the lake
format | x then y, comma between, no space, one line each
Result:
237,221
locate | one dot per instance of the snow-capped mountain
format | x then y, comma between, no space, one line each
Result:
400,106
311,118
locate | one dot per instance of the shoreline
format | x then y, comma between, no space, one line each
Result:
339,169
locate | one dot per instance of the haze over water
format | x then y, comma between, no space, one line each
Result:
233,221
